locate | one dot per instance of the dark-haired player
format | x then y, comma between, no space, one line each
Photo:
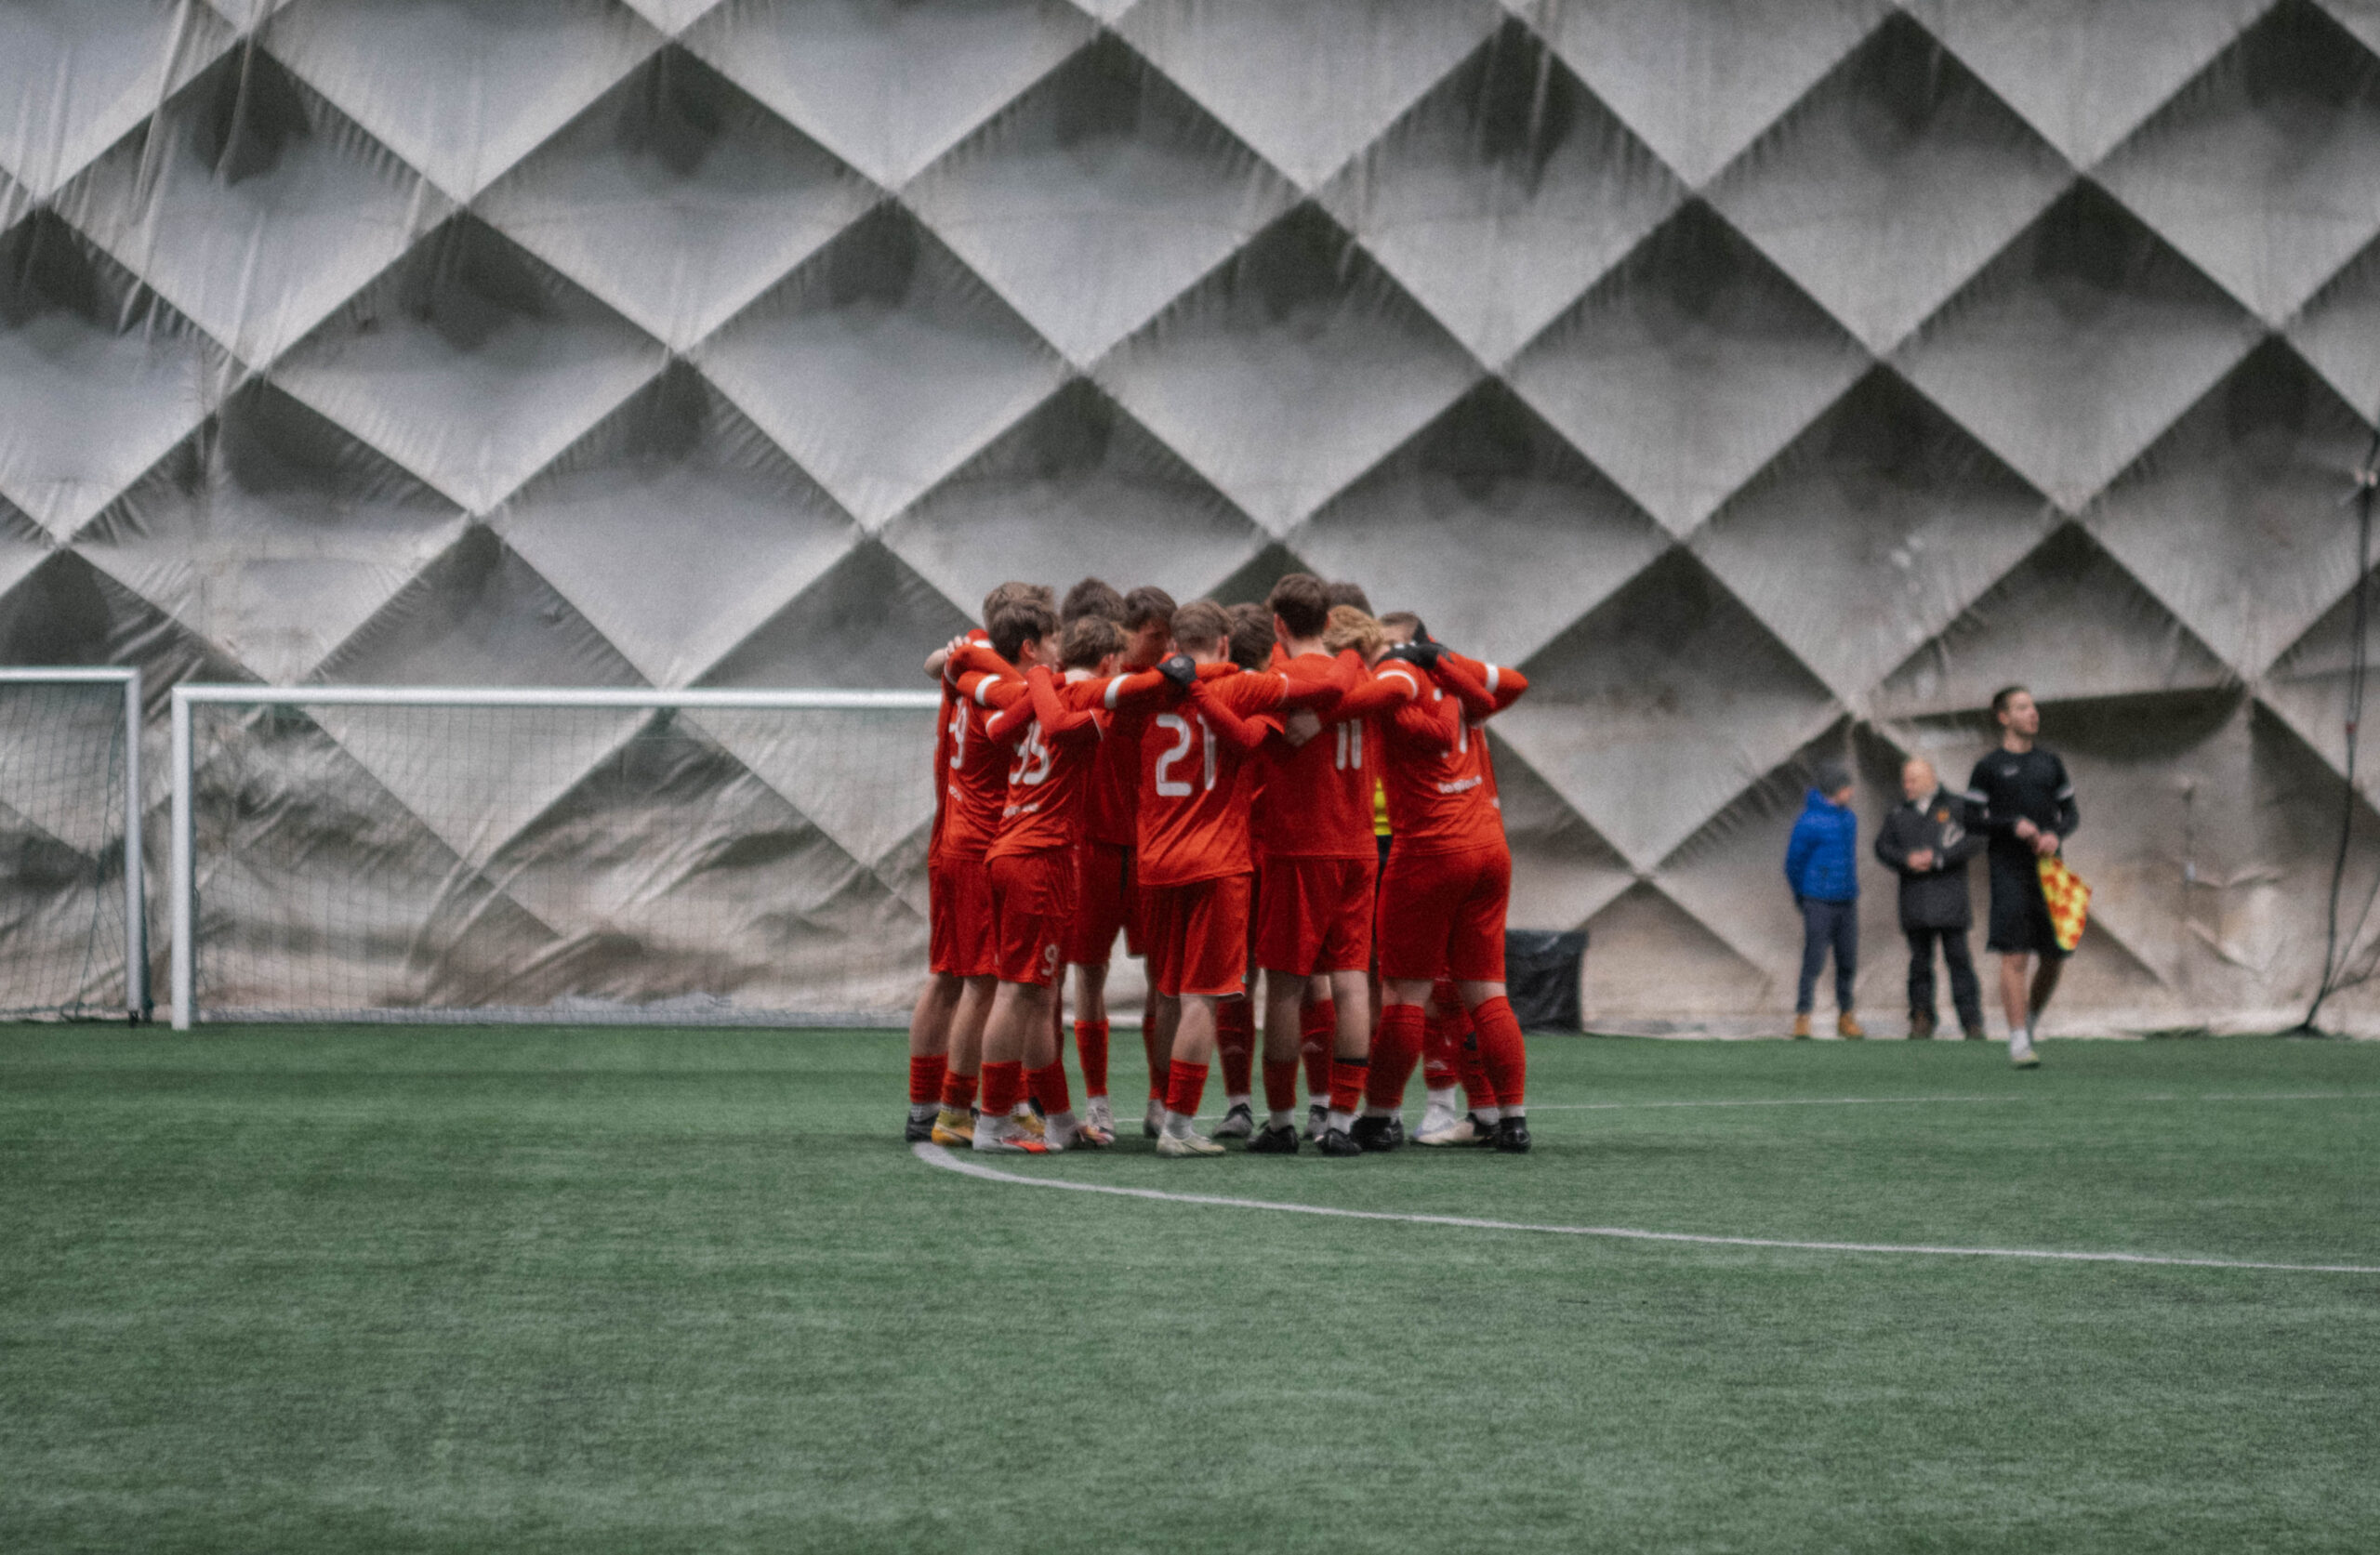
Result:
1197,771
1315,892
947,1026
2027,804
1052,730
1108,887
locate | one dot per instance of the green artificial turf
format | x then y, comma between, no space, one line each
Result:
320,1290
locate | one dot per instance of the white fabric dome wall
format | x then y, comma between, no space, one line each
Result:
1766,377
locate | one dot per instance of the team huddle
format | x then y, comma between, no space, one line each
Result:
1297,788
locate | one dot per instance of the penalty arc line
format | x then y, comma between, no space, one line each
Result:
936,1155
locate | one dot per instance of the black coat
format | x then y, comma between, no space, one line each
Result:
1934,898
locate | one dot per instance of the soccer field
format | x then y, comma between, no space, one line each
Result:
634,1290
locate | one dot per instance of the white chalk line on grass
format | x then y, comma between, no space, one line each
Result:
1895,1100
935,1155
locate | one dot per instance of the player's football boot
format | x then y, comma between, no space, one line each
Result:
1374,1134
1275,1139
1437,1118
1153,1121
1099,1115
1088,1135
952,1127
1336,1142
1029,1124
919,1127
1318,1118
1239,1123
1002,1135
1462,1129
1512,1136
1183,1146
2023,1055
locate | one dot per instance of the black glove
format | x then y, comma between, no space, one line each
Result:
1180,669
1422,653
1422,633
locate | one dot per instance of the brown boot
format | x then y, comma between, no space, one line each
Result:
1920,1026
1801,1028
1847,1026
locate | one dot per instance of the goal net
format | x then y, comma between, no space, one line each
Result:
71,940
722,858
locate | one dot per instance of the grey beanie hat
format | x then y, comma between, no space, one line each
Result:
1832,777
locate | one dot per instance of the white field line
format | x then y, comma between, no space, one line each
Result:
1933,1100
935,1155
1894,1101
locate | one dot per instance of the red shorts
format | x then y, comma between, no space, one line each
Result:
1196,936
1033,901
1316,916
958,897
1106,898
1442,915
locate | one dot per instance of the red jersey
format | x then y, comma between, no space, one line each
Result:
1317,798
1053,732
948,729
1439,796
1197,775
1115,778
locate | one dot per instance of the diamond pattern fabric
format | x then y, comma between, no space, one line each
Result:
1770,379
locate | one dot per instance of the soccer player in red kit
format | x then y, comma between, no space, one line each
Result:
1448,883
1197,771
1318,873
947,1026
1107,890
1053,730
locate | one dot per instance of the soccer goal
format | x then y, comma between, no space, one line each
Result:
73,941
528,854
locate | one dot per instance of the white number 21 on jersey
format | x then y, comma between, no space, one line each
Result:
1176,788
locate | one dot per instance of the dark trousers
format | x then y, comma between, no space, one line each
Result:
1964,994
1828,925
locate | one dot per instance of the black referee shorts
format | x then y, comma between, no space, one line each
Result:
2021,923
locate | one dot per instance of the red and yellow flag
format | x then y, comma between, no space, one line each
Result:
2070,901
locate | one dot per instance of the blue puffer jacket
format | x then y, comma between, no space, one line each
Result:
1821,861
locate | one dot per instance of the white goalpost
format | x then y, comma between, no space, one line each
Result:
70,803
502,854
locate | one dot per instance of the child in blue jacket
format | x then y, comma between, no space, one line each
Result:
1821,865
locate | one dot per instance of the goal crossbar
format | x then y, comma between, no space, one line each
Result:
135,923
186,697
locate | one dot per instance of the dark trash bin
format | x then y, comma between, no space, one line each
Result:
1543,968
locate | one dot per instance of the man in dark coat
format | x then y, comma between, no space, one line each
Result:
1927,841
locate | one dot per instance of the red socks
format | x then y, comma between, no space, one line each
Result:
1236,1043
1184,1084
1475,1085
1395,1051
1091,1042
1280,1085
1501,1052
958,1091
1438,1047
1347,1077
1050,1088
1003,1087
925,1078
1317,1034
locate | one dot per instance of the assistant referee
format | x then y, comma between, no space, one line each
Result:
2026,803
